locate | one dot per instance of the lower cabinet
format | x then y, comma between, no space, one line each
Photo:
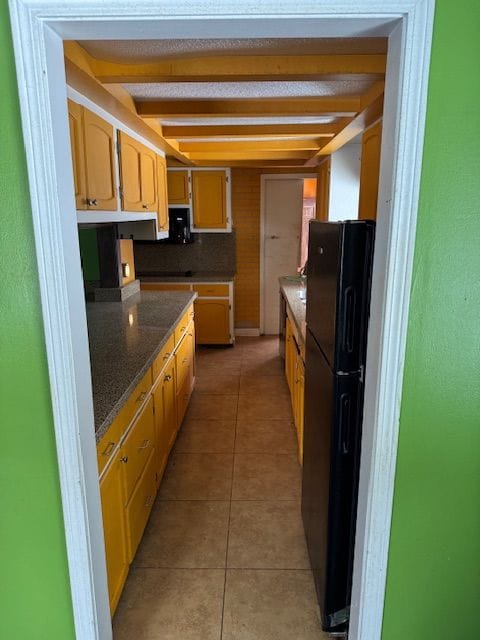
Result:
212,321
114,529
295,374
133,453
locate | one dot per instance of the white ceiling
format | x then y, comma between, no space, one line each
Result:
272,89
140,51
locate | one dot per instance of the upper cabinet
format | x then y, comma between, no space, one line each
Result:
92,144
323,190
99,162
138,175
206,192
75,120
162,194
370,172
178,187
209,195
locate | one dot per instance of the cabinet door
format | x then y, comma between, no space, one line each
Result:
99,163
162,206
165,418
114,530
370,172
148,179
177,187
75,121
289,356
209,193
212,321
130,173
140,505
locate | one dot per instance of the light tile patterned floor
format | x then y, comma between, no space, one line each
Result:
224,556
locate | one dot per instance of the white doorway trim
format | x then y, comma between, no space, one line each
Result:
38,28
263,178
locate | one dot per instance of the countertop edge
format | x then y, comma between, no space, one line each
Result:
285,285
103,427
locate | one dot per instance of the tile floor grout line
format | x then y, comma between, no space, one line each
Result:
229,518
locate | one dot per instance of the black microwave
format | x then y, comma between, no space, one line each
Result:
179,231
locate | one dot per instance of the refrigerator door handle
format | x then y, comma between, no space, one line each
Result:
344,420
349,319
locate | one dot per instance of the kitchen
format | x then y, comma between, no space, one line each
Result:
192,261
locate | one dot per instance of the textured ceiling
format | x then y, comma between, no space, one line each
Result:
174,122
140,51
272,89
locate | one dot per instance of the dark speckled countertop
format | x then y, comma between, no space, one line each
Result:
125,338
292,289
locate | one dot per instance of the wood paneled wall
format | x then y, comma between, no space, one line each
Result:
246,221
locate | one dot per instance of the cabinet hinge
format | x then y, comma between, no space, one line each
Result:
229,306
227,178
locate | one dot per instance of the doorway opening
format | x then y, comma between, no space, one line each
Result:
38,41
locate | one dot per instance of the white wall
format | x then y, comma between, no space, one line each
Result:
345,182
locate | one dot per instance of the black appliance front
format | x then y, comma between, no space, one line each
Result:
338,289
179,231
332,437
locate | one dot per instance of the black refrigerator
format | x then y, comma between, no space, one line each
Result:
338,299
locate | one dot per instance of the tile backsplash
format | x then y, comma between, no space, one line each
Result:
210,252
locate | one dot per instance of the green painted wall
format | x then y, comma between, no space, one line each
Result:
433,587
34,588
89,254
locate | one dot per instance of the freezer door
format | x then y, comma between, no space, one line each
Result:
332,437
338,290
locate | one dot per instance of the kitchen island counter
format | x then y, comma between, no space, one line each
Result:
294,291
125,338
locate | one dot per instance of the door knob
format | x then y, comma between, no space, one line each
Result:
274,237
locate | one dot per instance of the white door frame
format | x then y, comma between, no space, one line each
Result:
38,27
263,178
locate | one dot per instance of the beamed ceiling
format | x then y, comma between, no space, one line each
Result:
252,102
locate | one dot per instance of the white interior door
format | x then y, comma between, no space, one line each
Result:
282,206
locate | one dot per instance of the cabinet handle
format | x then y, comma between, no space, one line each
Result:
141,397
149,501
145,206
191,314
166,356
183,329
144,445
167,378
190,334
124,459
184,361
108,449
92,202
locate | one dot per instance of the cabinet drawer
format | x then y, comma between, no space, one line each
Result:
162,358
137,448
140,505
183,324
163,286
212,290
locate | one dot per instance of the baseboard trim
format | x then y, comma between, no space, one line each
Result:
250,333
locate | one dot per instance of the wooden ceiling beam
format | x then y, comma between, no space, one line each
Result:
253,145
334,106
199,156
231,131
241,68
292,162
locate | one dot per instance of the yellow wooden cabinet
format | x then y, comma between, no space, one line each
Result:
370,172
115,530
140,504
165,417
323,190
290,356
75,120
138,175
209,198
299,403
212,321
178,187
162,205
99,163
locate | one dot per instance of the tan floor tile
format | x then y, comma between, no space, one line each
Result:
206,436
171,604
197,476
182,534
265,436
218,355
206,367
270,605
266,535
266,477
250,383
272,406
268,366
210,382
207,406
